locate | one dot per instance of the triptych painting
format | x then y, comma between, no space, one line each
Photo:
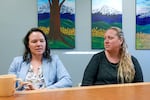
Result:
57,19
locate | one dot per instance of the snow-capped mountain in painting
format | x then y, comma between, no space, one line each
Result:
65,12
64,9
106,10
143,18
107,14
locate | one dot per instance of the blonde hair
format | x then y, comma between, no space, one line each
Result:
126,71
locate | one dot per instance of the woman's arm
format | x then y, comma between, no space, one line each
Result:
90,72
138,71
63,78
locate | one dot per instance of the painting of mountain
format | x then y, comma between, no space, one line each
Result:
142,24
105,13
57,19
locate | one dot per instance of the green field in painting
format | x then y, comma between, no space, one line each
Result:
58,44
67,28
98,29
97,43
142,41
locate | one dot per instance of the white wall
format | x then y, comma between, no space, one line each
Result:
18,16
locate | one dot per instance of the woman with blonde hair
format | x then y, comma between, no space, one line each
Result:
114,65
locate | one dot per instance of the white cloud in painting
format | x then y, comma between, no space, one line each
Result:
70,3
68,6
142,6
115,4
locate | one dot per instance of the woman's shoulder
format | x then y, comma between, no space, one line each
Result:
101,53
18,58
54,57
134,59
98,56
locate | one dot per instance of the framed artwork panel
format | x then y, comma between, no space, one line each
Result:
57,19
105,13
142,24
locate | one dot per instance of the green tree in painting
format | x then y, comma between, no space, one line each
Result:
55,33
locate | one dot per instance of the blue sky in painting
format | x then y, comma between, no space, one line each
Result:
41,2
116,4
70,3
142,6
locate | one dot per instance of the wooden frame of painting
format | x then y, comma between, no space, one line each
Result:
105,13
57,19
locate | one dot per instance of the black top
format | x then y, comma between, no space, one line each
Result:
100,71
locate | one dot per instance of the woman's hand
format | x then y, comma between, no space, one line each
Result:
28,86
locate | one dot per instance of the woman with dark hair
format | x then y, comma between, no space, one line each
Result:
27,54
37,67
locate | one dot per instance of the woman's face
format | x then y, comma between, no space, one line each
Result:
37,43
111,40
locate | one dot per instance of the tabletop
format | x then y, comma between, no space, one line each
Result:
132,91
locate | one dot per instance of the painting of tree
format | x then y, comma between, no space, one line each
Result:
142,24
105,13
57,19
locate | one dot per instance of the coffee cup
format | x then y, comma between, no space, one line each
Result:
8,84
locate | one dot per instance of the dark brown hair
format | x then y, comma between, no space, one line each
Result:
27,54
